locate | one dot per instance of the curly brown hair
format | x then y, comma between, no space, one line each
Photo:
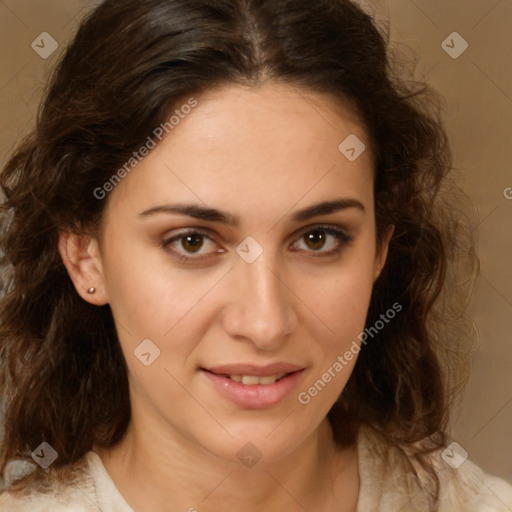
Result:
64,377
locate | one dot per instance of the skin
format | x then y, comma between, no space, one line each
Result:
261,154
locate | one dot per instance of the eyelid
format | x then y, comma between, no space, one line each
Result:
343,237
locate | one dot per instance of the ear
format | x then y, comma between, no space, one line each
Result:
382,252
82,259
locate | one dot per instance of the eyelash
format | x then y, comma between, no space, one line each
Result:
342,237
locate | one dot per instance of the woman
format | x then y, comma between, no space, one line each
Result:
227,246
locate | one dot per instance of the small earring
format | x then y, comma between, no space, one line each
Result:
91,290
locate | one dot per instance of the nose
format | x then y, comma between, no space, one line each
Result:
262,309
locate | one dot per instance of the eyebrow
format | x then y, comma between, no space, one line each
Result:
198,211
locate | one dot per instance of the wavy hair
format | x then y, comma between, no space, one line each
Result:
63,375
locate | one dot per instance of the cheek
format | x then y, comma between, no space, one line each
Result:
341,308
340,301
144,295
350,301
151,298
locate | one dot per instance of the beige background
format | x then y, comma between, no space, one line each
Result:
477,87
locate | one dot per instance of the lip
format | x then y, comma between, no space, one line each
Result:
256,396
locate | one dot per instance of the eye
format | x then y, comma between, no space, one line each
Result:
316,239
192,241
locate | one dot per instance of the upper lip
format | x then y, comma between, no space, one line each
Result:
252,369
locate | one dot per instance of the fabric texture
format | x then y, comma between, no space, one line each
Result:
387,484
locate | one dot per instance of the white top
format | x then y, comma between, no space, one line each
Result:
386,485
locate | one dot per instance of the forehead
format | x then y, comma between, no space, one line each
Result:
274,114
253,146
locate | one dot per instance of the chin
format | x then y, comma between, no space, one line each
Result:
267,443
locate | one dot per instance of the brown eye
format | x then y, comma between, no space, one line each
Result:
315,239
187,246
192,242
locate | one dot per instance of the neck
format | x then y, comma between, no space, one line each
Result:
156,473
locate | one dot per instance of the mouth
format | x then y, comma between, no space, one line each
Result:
251,387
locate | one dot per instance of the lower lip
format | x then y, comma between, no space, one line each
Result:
258,396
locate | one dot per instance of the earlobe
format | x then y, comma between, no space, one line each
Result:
382,252
81,257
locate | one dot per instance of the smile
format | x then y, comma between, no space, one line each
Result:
256,388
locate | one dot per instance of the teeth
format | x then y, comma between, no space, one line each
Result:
252,380
268,379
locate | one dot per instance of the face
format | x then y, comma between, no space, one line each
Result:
252,281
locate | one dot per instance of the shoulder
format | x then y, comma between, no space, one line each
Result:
76,495
468,487
388,481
